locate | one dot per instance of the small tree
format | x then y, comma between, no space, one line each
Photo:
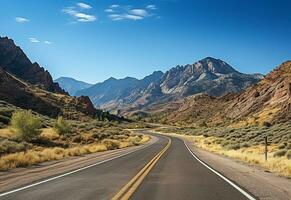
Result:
61,126
26,125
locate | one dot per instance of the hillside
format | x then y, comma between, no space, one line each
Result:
28,86
210,76
114,93
265,102
71,85
28,96
14,61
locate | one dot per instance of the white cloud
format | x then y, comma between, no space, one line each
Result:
109,10
21,20
114,6
118,13
47,42
79,16
34,40
118,17
151,7
84,5
139,12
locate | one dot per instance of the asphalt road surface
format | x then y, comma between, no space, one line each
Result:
177,175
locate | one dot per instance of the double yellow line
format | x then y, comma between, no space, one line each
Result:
127,190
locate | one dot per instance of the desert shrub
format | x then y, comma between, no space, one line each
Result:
245,144
111,144
26,125
62,127
4,119
7,146
288,154
232,146
280,153
281,146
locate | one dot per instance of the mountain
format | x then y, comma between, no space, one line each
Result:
268,101
113,92
72,85
14,61
210,76
28,86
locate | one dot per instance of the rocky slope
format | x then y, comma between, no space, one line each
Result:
210,76
14,61
27,96
268,101
28,86
71,85
114,93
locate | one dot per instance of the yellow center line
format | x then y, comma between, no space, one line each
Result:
127,190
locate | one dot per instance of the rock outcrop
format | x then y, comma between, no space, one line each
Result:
14,61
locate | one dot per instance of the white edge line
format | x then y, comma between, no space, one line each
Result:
71,172
220,175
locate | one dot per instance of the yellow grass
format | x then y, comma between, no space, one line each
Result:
49,133
31,157
6,133
265,115
251,155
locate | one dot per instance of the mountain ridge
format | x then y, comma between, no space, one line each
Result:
209,75
14,60
72,85
266,102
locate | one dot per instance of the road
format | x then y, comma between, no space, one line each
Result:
175,174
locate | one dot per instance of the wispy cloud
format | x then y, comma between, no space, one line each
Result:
118,17
119,13
114,6
21,19
109,10
84,5
34,40
151,7
47,42
139,12
78,15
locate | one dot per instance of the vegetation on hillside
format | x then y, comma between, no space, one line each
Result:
27,138
246,144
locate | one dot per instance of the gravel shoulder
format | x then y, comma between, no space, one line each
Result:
262,184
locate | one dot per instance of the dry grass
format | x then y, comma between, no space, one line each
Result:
252,155
32,157
49,133
6,133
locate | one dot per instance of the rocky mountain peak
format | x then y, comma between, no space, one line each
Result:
213,65
14,60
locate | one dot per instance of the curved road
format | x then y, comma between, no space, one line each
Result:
176,175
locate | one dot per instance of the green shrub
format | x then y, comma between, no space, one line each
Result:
26,125
62,127
4,119
280,153
7,146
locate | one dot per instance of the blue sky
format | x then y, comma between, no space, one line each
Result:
93,40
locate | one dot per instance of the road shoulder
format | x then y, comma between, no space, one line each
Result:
262,184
